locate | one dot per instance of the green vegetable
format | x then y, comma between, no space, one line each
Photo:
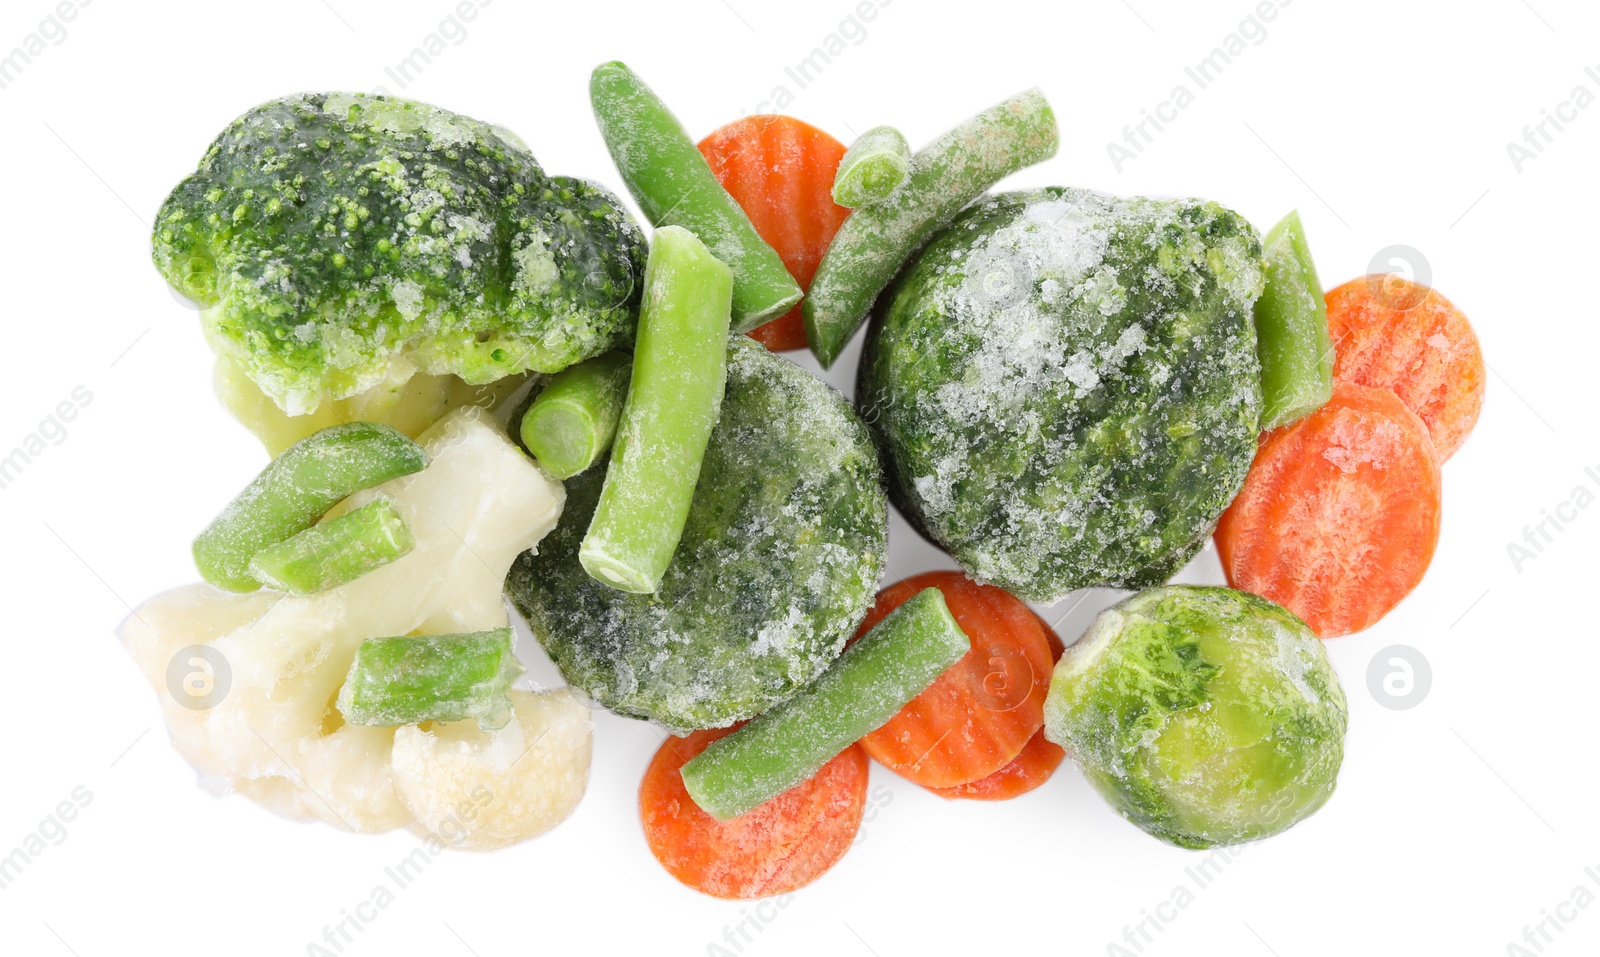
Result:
1204,715
571,424
868,685
873,168
777,566
675,187
331,236
946,175
337,551
295,490
1066,386
680,366
432,678
1292,329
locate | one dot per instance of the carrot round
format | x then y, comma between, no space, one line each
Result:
1038,761
1034,766
1339,516
1391,333
779,847
780,171
977,716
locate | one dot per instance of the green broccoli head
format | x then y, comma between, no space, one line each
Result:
326,234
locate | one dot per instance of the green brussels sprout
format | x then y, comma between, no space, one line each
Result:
1205,715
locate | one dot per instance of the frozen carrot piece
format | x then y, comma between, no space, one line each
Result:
780,171
1339,516
977,716
1391,333
781,846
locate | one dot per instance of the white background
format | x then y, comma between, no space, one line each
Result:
1455,824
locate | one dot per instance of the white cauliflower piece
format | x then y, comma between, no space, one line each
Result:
496,788
277,737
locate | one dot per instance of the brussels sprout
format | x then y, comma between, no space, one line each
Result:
1204,715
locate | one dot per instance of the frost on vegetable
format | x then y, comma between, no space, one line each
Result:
328,237
1206,716
776,566
1066,385
277,736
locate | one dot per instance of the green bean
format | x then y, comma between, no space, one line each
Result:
873,168
337,551
296,489
946,175
675,187
432,678
865,687
680,367
571,423
1292,329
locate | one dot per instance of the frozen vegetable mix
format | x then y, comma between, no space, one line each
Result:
333,240
1206,716
777,564
1066,385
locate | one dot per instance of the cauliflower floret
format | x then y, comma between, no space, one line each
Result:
500,787
276,735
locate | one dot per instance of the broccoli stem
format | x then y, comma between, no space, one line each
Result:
946,175
1292,329
335,552
864,688
873,167
571,424
296,489
680,367
409,680
675,187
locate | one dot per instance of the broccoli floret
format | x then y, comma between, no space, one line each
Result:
326,234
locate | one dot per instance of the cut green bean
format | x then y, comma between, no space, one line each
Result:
337,551
296,489
409,680
873,168
675,187
571,424
946,175
865,687
680,367
1292,329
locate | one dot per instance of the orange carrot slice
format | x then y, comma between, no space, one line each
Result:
977,716
780,171
1339,516
1034,766
1391,333
779,847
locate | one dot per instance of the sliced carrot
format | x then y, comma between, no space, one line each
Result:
1339,516
1391,333
1034,766
780,171
780,846
977,716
